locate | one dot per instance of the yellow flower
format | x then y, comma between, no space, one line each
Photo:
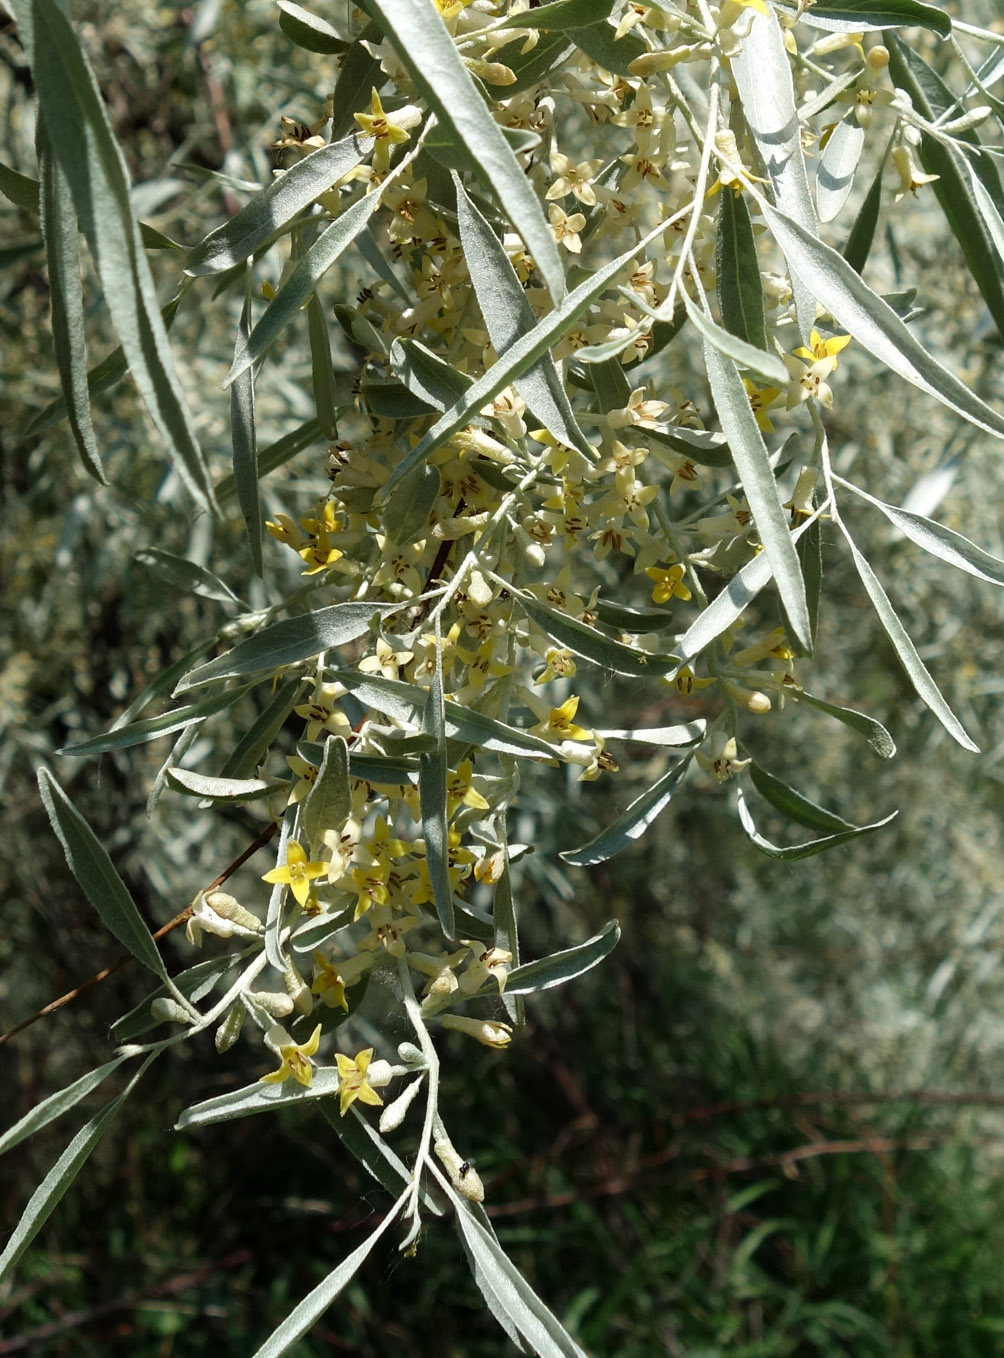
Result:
328,983
668,583
385,134
295,1060
761,398
297,873
352,1082
824,348
560,722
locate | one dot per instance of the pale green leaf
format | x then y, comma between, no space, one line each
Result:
428,53
507,1290
317,1301
57,1104
762,72
432,379
195,983
290,641
806,850
406,513
244,440
563,966
432,782
300,285
308,31
614,54
916,671
935,538
96,875
836,166
271,210
862,233
329,801
151,728
631,824
793,805
851,16
59,231
745,355
737,273
82,142
688,733
187,575
592,645
508,315
250,750
873,323
753,465
225,789
276,455
871,730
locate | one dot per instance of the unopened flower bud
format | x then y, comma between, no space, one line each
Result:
276,1003
298,990
486,1031
230,1029
878,57
229,908
166,1010
479,591
409,1054
394,1114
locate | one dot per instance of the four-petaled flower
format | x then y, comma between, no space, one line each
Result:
352,1082
295,1058
668,583
297,873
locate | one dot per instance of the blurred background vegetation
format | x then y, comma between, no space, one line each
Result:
770,1124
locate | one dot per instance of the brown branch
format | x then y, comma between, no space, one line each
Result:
165,929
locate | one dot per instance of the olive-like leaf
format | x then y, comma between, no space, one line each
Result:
150,728
290,641
432,781
806,850
738,350
851,16
434,381
563,966
592,645
836,167
57,1104
225,789
89,862
308,31
427,51
871,730
244,440
688,733
632,823
187,575
273,457
737,272
329,801
271,210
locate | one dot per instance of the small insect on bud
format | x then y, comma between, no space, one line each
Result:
463,1176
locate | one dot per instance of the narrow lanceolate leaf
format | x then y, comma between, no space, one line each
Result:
431,378
195,984
406,514
244,440
271,210
862,233
428,53
953,187
632,823
432,775
563,966
359,72
836,166
873,323
523,354
82,142
225,789
20,189
329,801
59,231
737,273
187,575
276,455
249,751
762,72
508,1293
57,1104
793,805
258,1098
403,702
940,541
689,733
753,465
317,1301
873,731
369,1149
725,608
807,849
47,1195
926,688
150,728
848,16
599,41
593,645
733,347
289,641
322,374
309,31
112,368
508,315
93,869
301,283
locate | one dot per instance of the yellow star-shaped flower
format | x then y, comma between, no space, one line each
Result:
297,873
352,1082
295,1061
